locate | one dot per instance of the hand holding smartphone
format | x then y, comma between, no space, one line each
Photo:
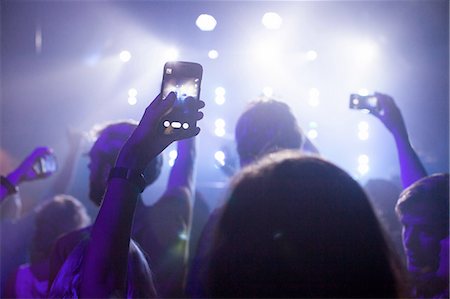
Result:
183,78
45,165
369,103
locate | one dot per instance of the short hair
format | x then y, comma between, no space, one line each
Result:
115,134
59,215
299,226
428,196
266,126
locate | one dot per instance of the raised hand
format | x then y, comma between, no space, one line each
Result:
148,140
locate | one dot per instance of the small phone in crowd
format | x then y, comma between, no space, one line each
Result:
45,165
183,78
368,104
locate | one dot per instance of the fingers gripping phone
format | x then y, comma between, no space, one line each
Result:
183,78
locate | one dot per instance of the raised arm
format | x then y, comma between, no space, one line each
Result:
23,173
411,168
105,263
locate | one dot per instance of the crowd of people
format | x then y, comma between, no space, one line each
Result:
293,224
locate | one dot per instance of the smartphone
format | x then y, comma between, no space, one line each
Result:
45,165
368,104
183,78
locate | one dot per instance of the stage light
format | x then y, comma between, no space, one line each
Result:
313,124
272,20
206,22
213,54
220,91
314,97
363,159
312,134
363,135
363,126
219,123
363,169
311,55
267,91
220,157
125,56
132,101
363,92
219,131
171,54
132,92
220,100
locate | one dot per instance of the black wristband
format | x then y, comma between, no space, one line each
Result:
8,185
134,177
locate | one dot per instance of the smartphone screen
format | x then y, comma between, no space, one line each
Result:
45,165
183,78
368,104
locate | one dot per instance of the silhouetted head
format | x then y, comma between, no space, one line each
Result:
55,217
103,155
423,210
298,226
264,127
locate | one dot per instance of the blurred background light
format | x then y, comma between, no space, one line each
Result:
219,123
268,91
213,54
311,55
220,100
272,20
219,131
125,56
220,157
206,22
220,91
132,92
132,101
312,133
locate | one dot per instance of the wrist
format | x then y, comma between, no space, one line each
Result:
10,186
134,177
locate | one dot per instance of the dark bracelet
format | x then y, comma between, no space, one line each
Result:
134,177
8,185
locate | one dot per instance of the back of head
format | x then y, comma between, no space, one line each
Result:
299,227
428,197
264,127
104,152
57,216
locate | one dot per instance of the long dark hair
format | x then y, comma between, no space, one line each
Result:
300,227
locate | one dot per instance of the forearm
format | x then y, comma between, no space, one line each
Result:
182,172
411,168
10,185
105,263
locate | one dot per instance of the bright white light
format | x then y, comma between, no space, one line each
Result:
365,52
125,56
183,236
312,134
220,91
311,55
132,101
220,157
363,92
173,154
363,135
171,54
363,159
219,131
206,22
185,126
363,126
267,91
272,20
220,100
220,123
313,102
213,54
363,168
132,92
